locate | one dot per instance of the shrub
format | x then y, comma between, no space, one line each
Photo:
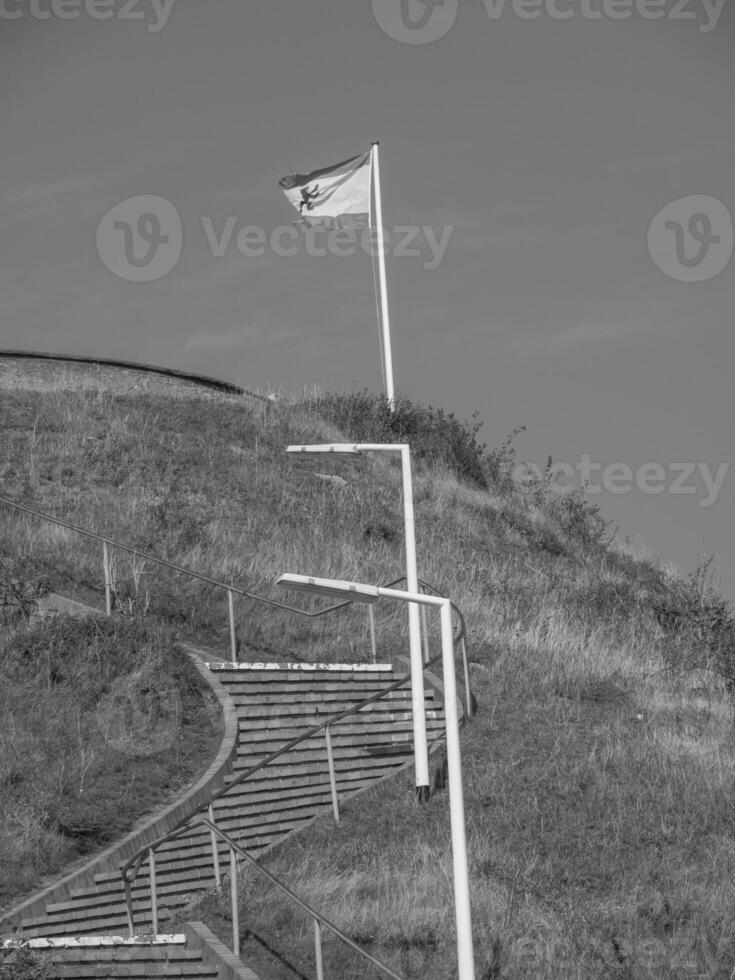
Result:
499,462
435,436
579,519
698,626
21,963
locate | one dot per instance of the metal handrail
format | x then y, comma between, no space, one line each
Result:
135,861
317,916
183,825
136,552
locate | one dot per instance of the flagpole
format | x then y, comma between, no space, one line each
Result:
384,315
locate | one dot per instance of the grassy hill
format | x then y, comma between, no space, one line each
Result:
599,770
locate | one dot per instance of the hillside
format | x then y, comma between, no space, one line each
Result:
599,769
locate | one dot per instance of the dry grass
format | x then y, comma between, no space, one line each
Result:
599,770
101,722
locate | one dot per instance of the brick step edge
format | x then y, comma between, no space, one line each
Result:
196,937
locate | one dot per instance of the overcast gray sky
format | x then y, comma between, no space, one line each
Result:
544,146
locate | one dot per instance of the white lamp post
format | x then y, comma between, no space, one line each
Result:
421,755
370,594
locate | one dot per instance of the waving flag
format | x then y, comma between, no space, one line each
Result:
327,194
348,194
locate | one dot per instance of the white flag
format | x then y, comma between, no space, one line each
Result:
331,192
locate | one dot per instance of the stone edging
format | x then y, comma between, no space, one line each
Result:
215,953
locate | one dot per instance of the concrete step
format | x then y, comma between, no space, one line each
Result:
375,723
112,959
258,703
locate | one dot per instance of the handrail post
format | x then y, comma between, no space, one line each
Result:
332,775
108,583
154,890
129,909
318,950
467,689
425,634
371,621
233,635
235,908
215,851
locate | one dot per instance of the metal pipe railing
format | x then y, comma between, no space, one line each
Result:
321,921
332,774
234,899
133,864
154,889
215,833
215,852
228,587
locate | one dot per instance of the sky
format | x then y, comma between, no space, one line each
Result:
574,158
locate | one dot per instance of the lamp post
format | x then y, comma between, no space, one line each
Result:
421,756
358,592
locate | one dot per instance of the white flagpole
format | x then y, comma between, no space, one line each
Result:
384,315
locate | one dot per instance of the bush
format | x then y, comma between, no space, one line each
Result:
21,963
499,462
579,519
435,436
698,627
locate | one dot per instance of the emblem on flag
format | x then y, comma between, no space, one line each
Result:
326,195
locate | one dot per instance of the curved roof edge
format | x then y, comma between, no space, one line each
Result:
201,379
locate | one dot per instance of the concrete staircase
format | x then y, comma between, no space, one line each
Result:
274,704
195,954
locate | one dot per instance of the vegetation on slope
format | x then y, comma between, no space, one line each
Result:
599,770
101,722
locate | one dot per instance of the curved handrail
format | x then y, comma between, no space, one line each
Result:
135,861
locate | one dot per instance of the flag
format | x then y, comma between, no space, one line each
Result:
331,192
